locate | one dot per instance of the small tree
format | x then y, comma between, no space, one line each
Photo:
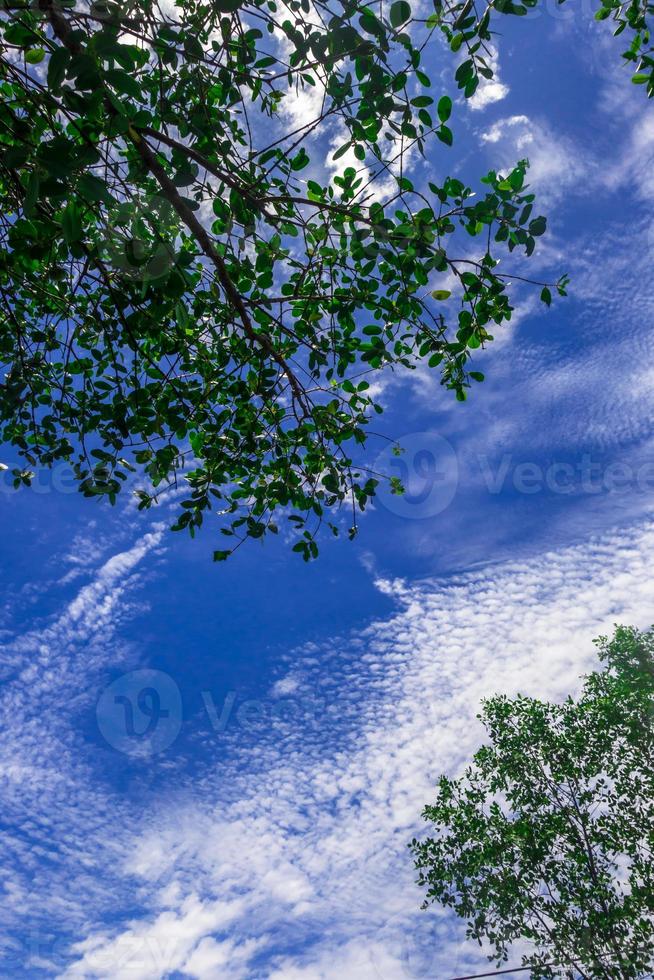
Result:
548,837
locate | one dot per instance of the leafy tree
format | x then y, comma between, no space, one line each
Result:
180,287
548,837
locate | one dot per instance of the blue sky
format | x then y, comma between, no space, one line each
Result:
300,715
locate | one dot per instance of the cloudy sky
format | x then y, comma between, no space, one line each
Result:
213,771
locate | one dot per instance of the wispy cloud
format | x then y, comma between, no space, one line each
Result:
284,854
289,858
58,845
557,164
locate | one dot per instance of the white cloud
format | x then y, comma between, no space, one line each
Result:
490,90
557,164
634,169
303,105
211,960
60,839
291,851
498,129
295,846
175,939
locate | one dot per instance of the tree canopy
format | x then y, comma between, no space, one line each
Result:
548,837
189,294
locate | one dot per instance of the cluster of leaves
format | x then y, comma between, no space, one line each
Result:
549,836
180,287
468,29
636,18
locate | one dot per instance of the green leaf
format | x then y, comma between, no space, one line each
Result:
124,82
34,56
441,294
465,70
445,135
193,48
342,150
300,161
444,108
71,223
400,13
57,65
546,296
94,189
32,193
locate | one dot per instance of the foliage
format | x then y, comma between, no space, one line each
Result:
183,293
636,18
548,837
471,32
